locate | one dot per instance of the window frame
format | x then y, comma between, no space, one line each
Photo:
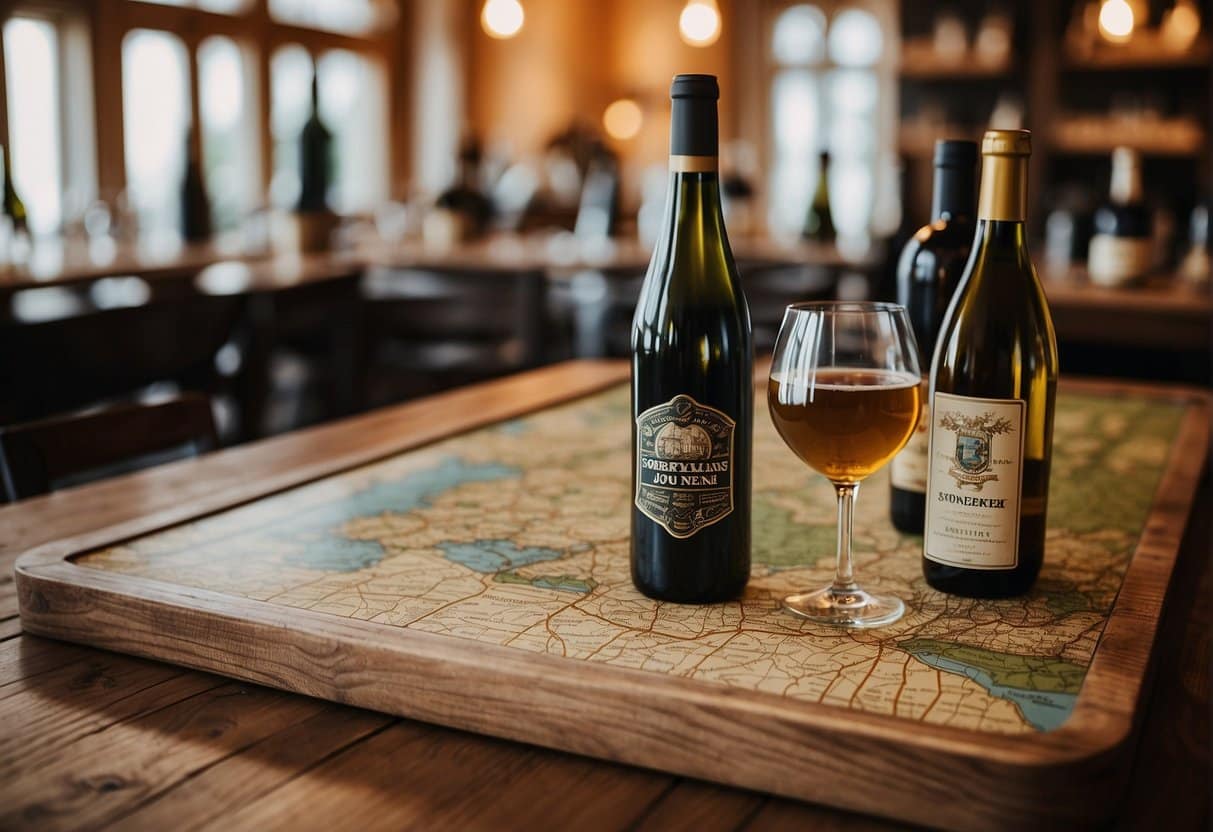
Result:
77,162
109,22
755,38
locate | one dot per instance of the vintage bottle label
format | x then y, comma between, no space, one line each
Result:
908,470
1114,261
974,482
684,465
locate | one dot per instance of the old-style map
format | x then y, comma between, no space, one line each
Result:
517,535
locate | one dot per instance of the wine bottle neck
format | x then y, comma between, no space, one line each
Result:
1004,188
694,203
952,193
1126,179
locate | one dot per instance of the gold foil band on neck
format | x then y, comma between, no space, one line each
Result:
693,164
1004,188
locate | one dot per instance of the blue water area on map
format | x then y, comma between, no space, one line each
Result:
489,556
325,549
515,427
1045,710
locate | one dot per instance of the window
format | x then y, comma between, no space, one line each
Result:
31,51
156,122
229,131
826,94
350,16
290,103
353,105
221,6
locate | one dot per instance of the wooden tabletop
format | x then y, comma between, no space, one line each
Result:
94,739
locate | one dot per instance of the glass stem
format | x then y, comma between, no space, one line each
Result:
844,580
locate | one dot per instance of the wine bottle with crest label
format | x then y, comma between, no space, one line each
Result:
993,388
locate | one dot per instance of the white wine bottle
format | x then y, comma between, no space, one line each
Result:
993,388
692,381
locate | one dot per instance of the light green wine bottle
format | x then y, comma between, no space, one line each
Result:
692,381
993,386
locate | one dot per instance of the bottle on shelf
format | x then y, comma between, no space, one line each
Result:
463,211
993,390
819,223
692,381
14,208
928,272
1122,247
195,203
315,159
314,217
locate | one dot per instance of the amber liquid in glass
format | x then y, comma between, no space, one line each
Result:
849,422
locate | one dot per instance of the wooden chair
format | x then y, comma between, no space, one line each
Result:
43,456
428,330
63,364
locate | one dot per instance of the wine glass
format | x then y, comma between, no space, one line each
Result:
845,394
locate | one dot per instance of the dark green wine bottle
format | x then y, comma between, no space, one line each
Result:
993,389
692,381
928,271
819,224
315,159
195,202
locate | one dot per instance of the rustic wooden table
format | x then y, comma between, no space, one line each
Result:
128,743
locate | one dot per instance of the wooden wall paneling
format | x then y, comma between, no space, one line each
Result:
108,31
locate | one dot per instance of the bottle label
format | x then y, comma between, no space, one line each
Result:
684,465
1113,261
909,468
975,481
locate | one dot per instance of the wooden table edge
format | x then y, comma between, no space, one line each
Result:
1093,732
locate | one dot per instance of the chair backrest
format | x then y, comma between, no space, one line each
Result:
458,306
38,457
63,364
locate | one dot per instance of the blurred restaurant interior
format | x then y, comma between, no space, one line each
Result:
302,209
316,437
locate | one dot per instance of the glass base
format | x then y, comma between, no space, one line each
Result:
850,607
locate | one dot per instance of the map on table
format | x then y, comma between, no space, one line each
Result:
517,535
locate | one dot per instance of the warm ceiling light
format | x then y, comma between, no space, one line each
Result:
699,22
502,18
622,119
1116,21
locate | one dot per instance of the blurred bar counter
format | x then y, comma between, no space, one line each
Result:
1163,313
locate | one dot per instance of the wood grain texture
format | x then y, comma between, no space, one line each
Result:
810,752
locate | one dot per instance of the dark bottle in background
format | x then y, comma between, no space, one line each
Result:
1122,248
195,203
315,159
465,200
928,272
819,223
692,381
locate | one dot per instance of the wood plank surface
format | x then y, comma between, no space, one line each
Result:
214,790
